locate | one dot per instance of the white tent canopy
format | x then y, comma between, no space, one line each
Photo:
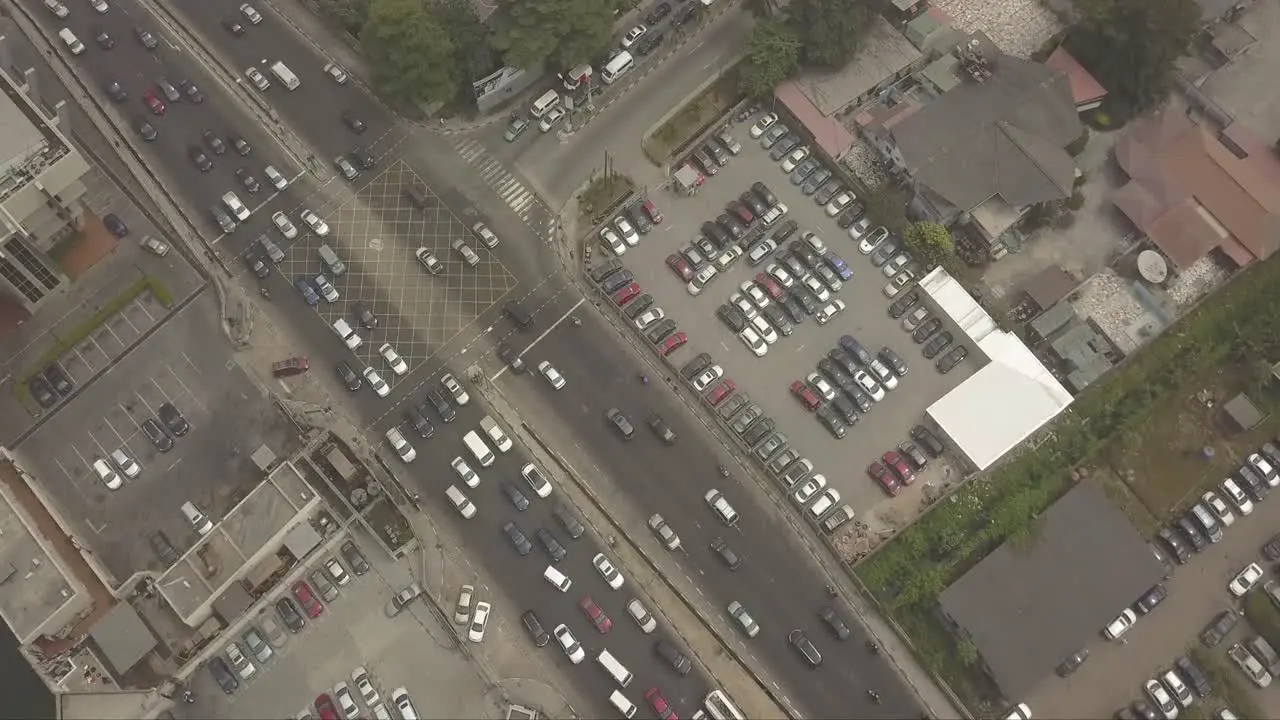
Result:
1005,401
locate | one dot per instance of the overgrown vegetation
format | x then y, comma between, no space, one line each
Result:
693,119
1240,324
563,33
930,244
812,33
886,206
1228,683
772,55
1263,616
603,194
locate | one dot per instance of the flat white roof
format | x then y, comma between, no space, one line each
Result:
1007,400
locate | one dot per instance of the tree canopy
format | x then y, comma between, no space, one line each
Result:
351,14
772,55
1131,46
831,30
473,57
410,55
930,244
563,33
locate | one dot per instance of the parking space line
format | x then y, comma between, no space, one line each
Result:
114,431
145,311
102,452
187,390
190,363
145,403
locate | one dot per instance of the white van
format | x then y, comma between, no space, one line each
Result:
347,333
235,207
71,41
543,104
616,670
478,448
463,505
558,580
622,704
617,67
285,75
202,524
495,433
575,77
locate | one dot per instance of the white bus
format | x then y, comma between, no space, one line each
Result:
617,67
719,707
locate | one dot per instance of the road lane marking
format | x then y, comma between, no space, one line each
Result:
538,339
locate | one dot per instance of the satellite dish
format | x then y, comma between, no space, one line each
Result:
1152,267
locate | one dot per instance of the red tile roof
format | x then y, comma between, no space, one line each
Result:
1085,88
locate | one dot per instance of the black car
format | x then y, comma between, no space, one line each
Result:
289,614
233,26
787,230
733,225
533,626
803,645
549,543
922,435
637,307
115,91
793,308
350,377
926,330
705,162
754,202
257,264
855,349
115,225
1191,532
778,318
620,423
173,420
214,143
366,316
164,549
784,147
516,497
903,303
694,367
247,179
355,559
105,41
190,90
885,252
569,521
353,123
804,299
937,344
836,624
715,151
517,538
948,362
851,215
806,254
894,361
1194,676
649,43
146,38
660,428
1253,484
758,430
793,265
667,650
657,13
1072,663
726,554
442,406
508,355
59,379
846,409
363,158
156,434
419,422
732,317
226,679
199,159
1151,599
242,146
1145,711
640,219
1176,545
144,128
716,234
686,13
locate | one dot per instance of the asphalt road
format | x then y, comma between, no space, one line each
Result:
522,576
776,582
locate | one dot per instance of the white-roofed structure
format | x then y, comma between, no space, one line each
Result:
1005,401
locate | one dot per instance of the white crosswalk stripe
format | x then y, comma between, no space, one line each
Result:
513,192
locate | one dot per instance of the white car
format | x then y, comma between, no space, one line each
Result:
1120,625
403,704
251,13
59,10
465,472
1161,699
779,273
898,282
726,258
1246,580
796,157
762,327
284,225
256,77
812,240
401,445
553,116
611,576
364,685
763,124
708,376
702,279
817,287
462,611
429,261
883,374
569,644
612,241
628,232
809,488
649,317
487,236
1219,508
275,177
326,289
396,363
774,214
536,479
346,701
754,342
338,74
479,621
1264,469
869,241
455,389
839,203
1177,688
1233,492
243,666
642,616
126,463
826,314
869,384
633,35
313,221
376,382
99,6
337,572
821,386
552,375
753,291
895,264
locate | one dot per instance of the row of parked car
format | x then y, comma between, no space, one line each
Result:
625,229
619,284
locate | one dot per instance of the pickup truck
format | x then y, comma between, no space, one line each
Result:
1250,665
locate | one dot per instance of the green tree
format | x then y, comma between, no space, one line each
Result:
564,33
762,8
473,57
930,244
831,30
1132,46
772,55
887,206
350,14
410,56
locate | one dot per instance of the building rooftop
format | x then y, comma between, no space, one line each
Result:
1085,88
28,143
33,586
884,52
1027,606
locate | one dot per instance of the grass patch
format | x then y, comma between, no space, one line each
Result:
1229,684
700,113
1263,616
77,333
603,194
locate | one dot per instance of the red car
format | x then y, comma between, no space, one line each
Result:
878,472
742,211
805,395
671,342
899,466
717,394
307,599
325,708
680,266
769,285
652,211
660,706
595,614
153,102
626,294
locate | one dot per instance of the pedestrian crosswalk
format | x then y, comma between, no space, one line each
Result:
513,192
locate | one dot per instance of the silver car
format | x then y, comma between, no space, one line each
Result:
323,584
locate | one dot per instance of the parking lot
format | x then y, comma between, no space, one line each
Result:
188,364
411,650
376,233
767,379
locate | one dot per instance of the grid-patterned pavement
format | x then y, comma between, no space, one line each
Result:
376,232
508,187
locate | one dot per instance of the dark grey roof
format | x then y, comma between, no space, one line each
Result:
122,637
1004,136
1027,608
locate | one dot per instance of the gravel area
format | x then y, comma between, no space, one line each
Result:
1106,298
863,161
1195,282
1018,27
